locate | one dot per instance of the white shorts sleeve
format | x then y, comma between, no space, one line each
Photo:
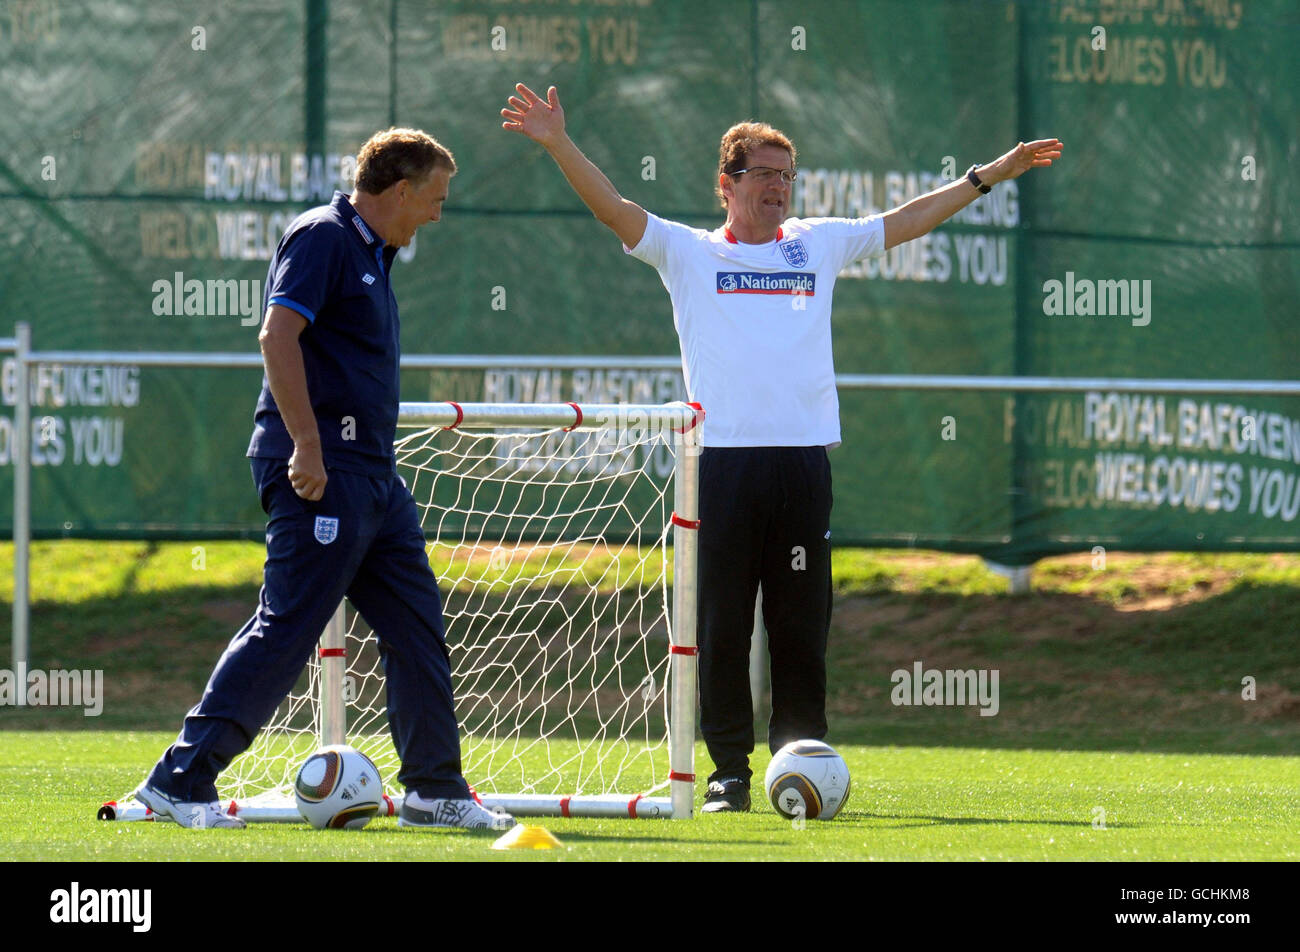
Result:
851,239
653,246
665,243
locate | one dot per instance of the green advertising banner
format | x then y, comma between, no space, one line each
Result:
152,155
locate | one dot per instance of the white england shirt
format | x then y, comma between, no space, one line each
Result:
754,323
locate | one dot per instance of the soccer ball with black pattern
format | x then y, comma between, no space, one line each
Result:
807,779
338,788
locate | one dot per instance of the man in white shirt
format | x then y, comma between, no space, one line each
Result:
752,306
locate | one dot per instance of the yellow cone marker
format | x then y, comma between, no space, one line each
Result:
527,838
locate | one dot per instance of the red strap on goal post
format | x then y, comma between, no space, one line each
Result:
688,777
699,415
333,652
631,805
564,806
460,415
685,523
576,423
683,649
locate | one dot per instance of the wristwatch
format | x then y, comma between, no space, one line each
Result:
975,180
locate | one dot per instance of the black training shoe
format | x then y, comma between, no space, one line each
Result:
727,796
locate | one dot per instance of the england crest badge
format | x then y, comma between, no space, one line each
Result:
794,252
327,529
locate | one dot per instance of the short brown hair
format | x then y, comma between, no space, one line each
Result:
388,157
742,139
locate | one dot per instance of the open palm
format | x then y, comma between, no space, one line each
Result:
540,120
1026,156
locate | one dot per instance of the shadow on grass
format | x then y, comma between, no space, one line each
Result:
138,563
916,820
1074,672
580,836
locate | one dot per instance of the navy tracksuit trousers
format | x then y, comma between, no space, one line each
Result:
764,520
375,556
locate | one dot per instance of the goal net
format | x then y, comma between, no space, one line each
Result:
564,544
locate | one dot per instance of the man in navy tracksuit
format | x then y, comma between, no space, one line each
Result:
340,521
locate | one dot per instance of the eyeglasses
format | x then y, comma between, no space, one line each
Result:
764,174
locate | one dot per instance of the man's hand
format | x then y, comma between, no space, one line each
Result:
1025,156
924,212
543,122
307,471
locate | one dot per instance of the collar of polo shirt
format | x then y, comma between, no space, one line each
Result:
726,232
369,237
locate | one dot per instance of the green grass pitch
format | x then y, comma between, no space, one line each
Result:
915,803
1125,730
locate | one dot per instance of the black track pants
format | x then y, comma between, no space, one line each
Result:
764,519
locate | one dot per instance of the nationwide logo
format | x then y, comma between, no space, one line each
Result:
753,282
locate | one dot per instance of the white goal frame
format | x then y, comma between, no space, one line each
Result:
678,422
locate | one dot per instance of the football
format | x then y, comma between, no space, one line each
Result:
338,788
807,779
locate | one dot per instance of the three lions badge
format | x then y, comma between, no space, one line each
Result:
327,529
795,252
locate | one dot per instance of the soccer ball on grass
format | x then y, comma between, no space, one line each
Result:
807,779
338,788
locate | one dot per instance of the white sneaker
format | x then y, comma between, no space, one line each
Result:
443,813
192,816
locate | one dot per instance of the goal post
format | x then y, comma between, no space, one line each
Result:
564,538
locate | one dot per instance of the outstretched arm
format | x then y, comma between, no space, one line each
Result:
543,122
924,212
